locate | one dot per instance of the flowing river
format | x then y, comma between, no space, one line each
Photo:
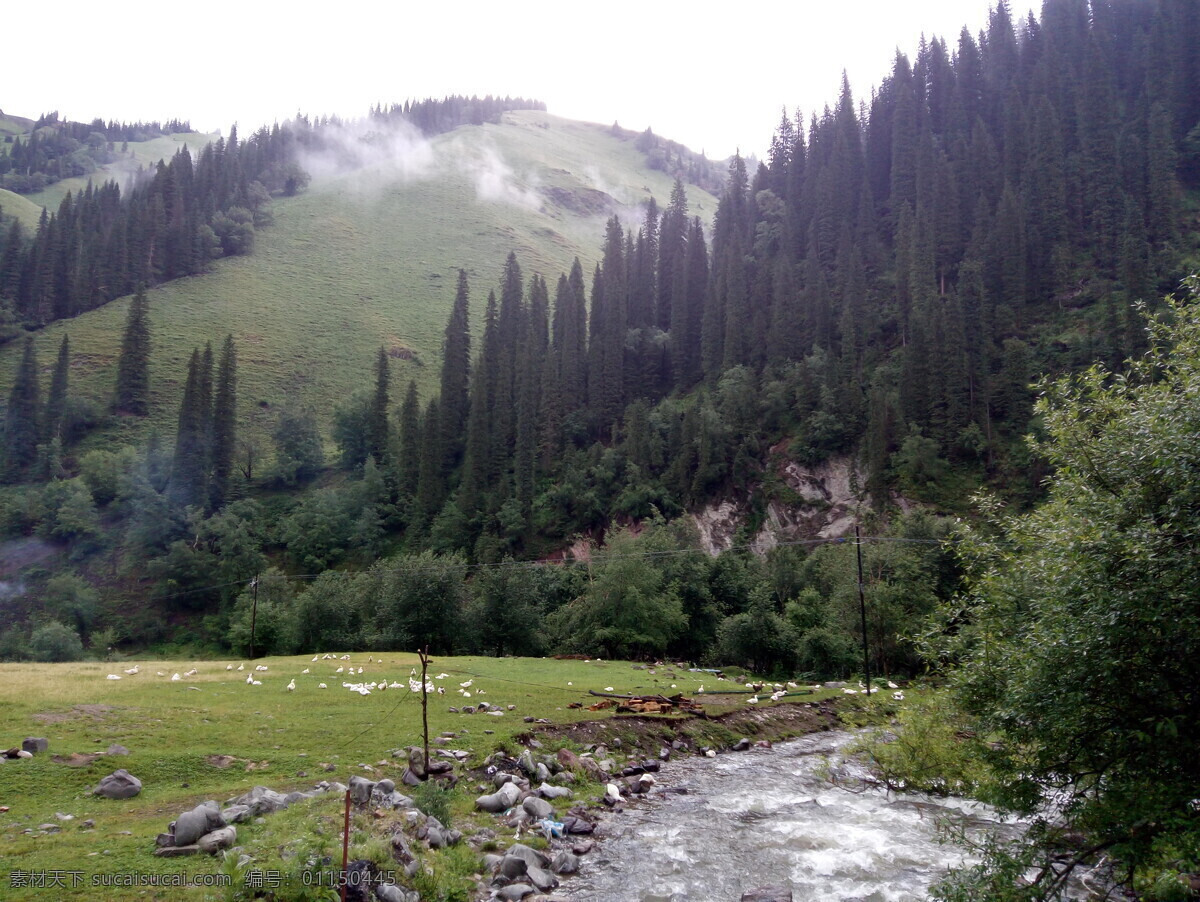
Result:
772,816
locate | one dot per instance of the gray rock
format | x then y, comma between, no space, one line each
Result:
741,745
262,800
530,856
546,791
512,867
515,891
501,778
116,749
235,814
176,851
194,824
768,894
542,879
500,800
491,861
565,863
834,684
35,745
541,772
120,784
664,754
525,762
361,789
164,839
389,892
416,761
537,808
293,797
214,842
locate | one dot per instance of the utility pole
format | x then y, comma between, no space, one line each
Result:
253,614
862,608
424,653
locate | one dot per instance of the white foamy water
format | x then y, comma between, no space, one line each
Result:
772,816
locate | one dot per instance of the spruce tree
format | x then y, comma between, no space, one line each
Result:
188,470
22,418
377,425
56,402
224,426
456,373
408,466
133,366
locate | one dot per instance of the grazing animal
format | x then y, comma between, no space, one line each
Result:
752,700
322,686
305,670
241,667
339,670
467,684
113,676
249,679
133,669
229,667
175,677
291,686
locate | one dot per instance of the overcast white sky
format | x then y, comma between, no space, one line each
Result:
712,76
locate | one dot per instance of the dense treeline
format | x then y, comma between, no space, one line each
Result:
103,242
434,117
58,149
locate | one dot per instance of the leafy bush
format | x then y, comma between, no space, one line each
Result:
55,642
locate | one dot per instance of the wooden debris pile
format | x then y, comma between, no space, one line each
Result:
646,704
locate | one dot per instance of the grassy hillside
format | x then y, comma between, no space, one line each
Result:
22,208
369,258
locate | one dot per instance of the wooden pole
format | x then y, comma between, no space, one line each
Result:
425,705
346,848
253,615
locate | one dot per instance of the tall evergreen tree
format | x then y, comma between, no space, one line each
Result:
188,470
408,465
56,401
377,424
133,366
224,425
22,417
456,373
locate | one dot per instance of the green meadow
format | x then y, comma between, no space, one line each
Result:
175,729
370,258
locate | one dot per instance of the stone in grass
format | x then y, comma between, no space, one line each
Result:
176,851
120,784
389,892
215,841
35,745
537,808
191,825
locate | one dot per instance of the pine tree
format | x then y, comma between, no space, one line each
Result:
408,465
22,418
133,366
188,471
377,424
456,373
224,426
56,401
431,485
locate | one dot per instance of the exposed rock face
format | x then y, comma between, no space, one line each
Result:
822,506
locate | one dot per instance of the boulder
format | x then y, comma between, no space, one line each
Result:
389,892
235,814
35,745
261,800
361,789
512,867
416,761
565,863
214,842
530,856
515,891
120,784
537,808
500,800
194,824
741,745
768,894
116,749
541,878
176,851
546,791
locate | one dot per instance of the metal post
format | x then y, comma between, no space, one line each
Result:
862,607
253,615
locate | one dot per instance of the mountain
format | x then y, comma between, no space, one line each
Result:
369,255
